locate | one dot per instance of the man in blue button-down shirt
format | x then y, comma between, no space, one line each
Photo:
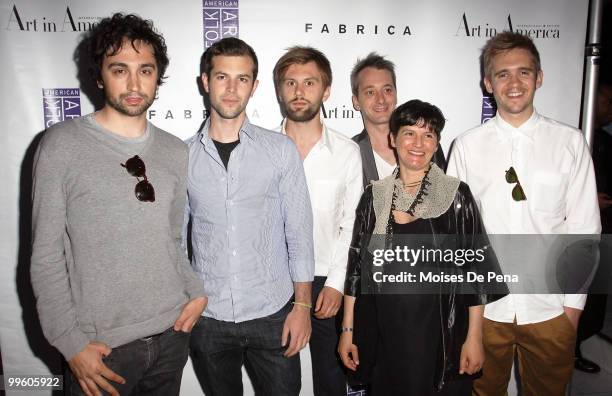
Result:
251,236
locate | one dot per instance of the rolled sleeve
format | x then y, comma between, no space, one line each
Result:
297,215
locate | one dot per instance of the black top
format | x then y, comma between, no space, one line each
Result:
410,332
225,150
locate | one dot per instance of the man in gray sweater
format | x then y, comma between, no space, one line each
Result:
115,292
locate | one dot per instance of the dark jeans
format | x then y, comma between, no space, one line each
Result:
327,373
150,366
218,350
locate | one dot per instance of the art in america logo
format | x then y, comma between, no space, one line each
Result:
60,104
489,108
344,112
62,21
468,27
220,20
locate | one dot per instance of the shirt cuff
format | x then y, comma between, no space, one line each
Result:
71,343
336,278
301,271
575,301
195,290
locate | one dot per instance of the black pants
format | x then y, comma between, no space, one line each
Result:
150,366
327,372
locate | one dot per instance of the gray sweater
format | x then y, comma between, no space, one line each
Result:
106,266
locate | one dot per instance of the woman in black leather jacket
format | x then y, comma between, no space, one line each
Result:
396,337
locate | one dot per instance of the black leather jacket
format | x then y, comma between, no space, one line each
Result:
461,218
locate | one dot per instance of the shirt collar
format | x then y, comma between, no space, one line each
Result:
527,130
325,140
246,129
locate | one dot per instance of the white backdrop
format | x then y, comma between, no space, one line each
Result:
435,45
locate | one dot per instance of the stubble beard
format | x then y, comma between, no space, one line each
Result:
132,111
303,115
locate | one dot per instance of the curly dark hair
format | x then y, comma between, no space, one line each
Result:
107,37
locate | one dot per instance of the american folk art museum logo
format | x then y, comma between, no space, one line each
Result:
220,19
60,104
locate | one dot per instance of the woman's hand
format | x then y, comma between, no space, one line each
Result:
472,356
348,351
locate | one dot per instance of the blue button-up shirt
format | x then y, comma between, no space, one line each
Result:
251,224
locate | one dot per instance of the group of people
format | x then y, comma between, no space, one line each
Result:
278,226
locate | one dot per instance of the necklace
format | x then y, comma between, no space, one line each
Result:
405,201
413,184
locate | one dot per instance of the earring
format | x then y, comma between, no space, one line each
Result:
100,85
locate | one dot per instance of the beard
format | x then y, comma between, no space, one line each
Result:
303,115
133,111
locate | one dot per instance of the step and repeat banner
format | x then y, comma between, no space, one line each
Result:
435,46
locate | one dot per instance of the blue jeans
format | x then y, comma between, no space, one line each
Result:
219,349
150,366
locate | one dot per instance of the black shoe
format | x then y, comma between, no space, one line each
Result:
586,366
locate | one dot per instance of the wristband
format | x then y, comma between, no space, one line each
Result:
346,330
301,304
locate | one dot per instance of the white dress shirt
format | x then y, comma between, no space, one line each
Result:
554,166
335,183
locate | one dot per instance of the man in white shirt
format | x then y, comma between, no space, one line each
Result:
531,175
373,85
302,77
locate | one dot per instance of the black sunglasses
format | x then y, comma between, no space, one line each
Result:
517,192
144,190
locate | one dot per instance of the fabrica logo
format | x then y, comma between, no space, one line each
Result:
358,29
60,104
220,20
468,28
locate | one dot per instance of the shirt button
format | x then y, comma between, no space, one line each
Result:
230,202
233,228
233,253
223,179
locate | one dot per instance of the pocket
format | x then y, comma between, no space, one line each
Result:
568,323
548,190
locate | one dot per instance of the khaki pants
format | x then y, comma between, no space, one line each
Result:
545,353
